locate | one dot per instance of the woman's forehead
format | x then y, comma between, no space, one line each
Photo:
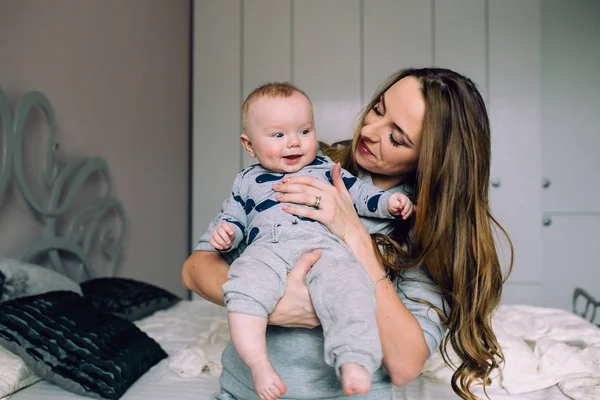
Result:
405,105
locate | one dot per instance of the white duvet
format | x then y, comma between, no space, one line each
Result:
543,347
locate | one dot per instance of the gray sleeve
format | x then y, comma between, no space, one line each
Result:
414,284
369,200
232,211
204,245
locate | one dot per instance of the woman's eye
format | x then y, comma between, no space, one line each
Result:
305,132
278,135
395,143
375,109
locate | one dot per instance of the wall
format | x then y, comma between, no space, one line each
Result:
571,143
535,61
117,75
339,51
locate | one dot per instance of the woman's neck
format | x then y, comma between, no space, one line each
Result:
385,182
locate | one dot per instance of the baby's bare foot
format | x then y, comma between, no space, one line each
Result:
355,379
267,383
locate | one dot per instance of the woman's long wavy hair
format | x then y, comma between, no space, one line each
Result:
453,231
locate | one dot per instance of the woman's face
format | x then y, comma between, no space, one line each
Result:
390,138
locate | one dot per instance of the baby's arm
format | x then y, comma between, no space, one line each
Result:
222,236
369,200
229,231
400,205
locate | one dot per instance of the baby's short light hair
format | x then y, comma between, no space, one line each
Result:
271,89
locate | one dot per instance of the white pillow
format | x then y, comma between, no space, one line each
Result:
14,374
19,279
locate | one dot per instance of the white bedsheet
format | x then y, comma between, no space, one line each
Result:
193,334
543,348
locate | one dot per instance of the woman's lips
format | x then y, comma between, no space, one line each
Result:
363,149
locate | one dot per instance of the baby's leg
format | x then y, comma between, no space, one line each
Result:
355,379
255,284
344,300
248,337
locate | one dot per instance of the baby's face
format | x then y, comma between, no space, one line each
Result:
281,133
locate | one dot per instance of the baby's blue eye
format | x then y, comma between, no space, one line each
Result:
305,132
278,135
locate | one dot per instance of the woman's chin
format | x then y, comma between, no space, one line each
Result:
363,162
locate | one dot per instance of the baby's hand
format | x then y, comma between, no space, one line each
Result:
221,237
400,205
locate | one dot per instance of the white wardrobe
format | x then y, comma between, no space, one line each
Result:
536,61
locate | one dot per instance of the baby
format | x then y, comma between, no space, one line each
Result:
279,131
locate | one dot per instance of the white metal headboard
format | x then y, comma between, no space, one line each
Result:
97,225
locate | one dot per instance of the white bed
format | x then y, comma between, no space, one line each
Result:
551,354
178,328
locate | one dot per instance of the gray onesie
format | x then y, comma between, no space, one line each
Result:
341,291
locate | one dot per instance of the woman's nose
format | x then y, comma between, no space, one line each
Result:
371,131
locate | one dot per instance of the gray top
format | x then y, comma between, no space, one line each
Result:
297,354
236,204
253,210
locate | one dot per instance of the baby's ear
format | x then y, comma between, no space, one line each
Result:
247,144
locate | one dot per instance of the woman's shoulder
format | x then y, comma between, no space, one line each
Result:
416,282
419,273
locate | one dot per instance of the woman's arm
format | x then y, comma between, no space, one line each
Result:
404,347
205,272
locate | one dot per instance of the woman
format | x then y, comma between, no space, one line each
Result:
424,127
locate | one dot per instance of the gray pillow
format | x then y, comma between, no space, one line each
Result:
20,279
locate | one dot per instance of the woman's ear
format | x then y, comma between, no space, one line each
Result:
247,144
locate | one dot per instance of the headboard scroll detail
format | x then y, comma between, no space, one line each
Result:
102,222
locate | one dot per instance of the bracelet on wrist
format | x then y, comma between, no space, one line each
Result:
385,277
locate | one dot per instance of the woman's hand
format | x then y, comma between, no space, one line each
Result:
331,205
295,309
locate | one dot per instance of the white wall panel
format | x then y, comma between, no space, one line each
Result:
326,62
460,39
266,50
216,104
397,34
571,259
571,104
514,99
522,293
267,42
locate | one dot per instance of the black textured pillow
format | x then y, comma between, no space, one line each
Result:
127,298
66,340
